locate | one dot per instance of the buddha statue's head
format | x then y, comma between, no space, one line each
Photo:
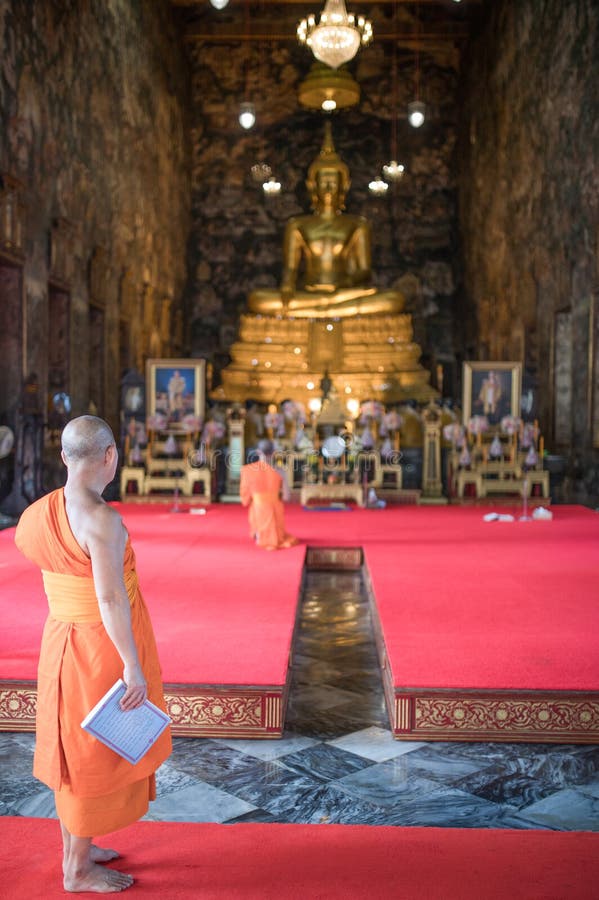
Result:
328,175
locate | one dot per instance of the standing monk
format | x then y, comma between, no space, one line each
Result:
260,488
98,630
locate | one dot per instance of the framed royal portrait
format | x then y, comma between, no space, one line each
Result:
491,389
175,391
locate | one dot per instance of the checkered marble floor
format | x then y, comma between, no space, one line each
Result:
337,761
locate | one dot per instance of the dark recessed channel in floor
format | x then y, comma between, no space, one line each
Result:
336,684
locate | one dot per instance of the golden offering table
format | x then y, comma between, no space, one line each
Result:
502,476
135,475
465,477
332,492
161,470
538,476
391,477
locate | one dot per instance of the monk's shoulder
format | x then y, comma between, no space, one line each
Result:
103,523
107,516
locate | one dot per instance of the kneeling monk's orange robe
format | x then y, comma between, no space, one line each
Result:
96,790
260,488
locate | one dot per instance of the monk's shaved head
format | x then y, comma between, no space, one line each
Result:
86,438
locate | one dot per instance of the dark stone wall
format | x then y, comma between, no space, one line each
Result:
93,124
529,210
237,233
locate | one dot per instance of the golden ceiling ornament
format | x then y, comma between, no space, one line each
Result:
328,89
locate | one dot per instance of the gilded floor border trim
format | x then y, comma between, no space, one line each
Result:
196,710
538,716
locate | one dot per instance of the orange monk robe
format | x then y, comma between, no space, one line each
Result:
260,489
96,790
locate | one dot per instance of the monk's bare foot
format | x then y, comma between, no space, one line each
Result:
98,880
102,854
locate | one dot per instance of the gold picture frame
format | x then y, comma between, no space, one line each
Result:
175,388
491,389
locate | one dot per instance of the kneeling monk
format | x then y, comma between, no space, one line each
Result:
260,488
98,630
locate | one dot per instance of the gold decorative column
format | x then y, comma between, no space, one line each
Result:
235,458
432,487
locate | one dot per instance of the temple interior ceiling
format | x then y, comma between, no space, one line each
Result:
438,28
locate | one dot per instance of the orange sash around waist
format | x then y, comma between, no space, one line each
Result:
265,496
72,598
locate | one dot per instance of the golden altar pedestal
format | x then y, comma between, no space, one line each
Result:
367,357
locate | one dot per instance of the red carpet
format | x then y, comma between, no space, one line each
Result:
316,862
217,602
471,604
464,605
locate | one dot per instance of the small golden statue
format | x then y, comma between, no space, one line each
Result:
335,251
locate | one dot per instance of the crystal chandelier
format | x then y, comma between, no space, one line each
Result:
378,187
337,37
261,172
393,170
271,187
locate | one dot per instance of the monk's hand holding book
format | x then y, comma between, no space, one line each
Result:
137,689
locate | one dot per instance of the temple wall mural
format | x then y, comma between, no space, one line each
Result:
529,201
93,131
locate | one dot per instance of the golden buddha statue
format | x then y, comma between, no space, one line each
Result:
335,251
326,325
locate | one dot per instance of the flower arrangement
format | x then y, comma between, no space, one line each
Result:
392,421
157,422
478,425
302,442
531,458
294,411
275,421
191,423
371,409
366,440
528,435
454,432
136,456
213,431
510,425
496,448
465,459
